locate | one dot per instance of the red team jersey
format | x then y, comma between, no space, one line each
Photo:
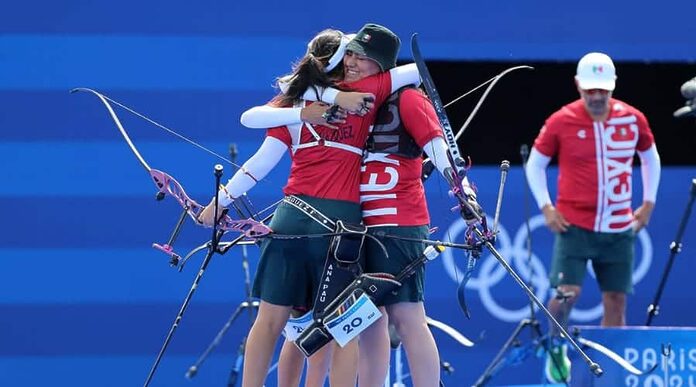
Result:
595,162
329,172
391,191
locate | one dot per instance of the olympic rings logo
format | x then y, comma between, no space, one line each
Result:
490,272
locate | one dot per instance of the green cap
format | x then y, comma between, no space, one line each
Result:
377,43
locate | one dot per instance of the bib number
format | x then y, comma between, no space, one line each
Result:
295,326
347,325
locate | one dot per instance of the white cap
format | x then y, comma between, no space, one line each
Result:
337,56
596,71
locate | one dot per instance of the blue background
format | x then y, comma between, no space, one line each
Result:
84,300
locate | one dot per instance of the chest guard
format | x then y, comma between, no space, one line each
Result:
389,134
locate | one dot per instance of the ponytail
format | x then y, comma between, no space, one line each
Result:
309,72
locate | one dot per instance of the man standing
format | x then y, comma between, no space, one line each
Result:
595,139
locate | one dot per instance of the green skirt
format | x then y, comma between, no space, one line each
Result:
289,271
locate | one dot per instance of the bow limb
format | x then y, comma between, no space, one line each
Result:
167,185
614,356
461,289
485,95
456,170
471,261
120,127
473,256
453,333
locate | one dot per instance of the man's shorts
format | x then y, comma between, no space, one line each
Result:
611,255
401,253
289,271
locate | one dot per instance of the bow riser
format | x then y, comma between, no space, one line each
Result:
169,186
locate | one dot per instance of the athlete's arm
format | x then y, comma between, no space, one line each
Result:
403,76
438,152
261,117
536,178
255,169
355,102
650,169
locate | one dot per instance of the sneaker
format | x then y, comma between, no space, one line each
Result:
557,364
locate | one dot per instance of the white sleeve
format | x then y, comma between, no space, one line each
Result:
400,76
316,93
326,95
263,117
650,168
404,75
438,152
255,169
536,177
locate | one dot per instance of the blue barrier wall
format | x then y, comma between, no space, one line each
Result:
85,301
671,351
84,296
